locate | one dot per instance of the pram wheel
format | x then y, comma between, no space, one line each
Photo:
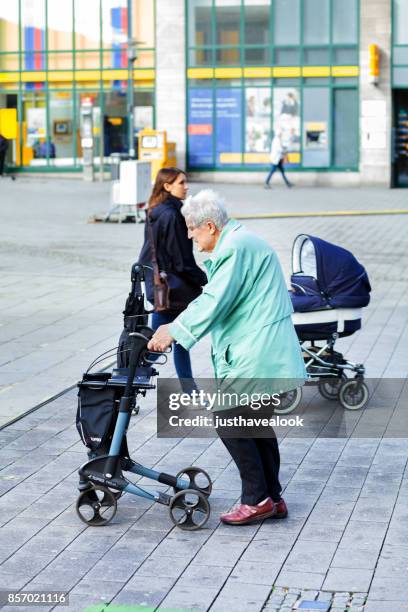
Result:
288,401
353,394
96,506
198,480
189,509
329,388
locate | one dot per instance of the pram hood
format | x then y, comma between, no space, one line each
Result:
325,275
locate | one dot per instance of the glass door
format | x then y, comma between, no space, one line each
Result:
400,138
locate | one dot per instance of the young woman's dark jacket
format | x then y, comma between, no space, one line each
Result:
174,250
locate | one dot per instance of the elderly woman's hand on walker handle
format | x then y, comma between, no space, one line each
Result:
161,339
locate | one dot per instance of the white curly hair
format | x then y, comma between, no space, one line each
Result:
206,205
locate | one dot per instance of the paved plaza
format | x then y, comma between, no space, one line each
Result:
64,284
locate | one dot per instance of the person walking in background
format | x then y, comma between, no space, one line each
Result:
166,233
277,157
3,153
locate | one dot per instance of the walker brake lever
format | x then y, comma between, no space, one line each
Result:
159,354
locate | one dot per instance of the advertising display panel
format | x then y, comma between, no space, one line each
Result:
200,127
224,125
228,132
286,120
258,119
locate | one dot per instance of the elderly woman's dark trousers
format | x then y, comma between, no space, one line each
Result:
258,462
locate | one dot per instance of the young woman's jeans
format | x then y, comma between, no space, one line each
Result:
182,361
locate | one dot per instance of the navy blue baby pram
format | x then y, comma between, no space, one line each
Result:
327,277
329,289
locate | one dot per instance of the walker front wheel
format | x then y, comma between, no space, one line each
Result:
189,509
198,479
96,506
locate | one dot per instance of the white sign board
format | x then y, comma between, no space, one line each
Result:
135,182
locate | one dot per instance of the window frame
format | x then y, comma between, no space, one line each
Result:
74,85
333,82
394,46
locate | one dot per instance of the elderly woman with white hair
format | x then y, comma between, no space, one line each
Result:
246,307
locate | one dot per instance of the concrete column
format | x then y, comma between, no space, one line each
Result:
171,73
375,100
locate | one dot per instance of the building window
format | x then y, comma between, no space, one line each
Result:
257,16
271,66
54,53
286,120
400,22
400,43
258,113
227,22
287,22
9,26
60,23
200,126
64,135
345,22
200,22
228,117
316,27
345,133
233,126
36,136
33,36
316,127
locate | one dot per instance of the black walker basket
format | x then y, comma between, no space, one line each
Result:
97,413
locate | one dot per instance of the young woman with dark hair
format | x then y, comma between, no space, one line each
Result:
174,254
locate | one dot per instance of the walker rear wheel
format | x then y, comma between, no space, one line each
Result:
288,401
198,480
189,509
353,394
96,506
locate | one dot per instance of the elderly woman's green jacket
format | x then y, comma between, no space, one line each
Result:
246,307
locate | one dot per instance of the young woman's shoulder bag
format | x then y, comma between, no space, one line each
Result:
160,284
171,291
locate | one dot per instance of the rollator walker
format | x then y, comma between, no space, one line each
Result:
106,402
